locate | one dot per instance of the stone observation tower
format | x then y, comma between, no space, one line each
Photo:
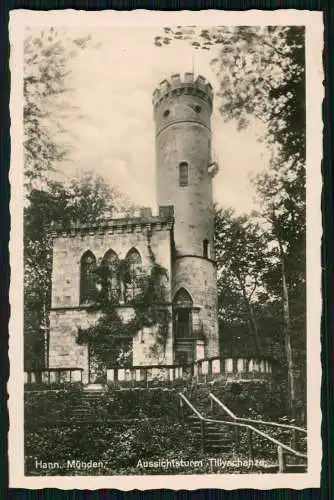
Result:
179,238
184,172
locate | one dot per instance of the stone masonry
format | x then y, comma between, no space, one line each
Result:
182,111
181,238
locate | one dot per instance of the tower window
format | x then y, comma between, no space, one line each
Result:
206,249
166,113
198,109
183,174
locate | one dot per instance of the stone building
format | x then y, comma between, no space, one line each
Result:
180,238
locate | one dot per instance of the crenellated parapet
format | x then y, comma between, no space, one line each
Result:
185,84
145,221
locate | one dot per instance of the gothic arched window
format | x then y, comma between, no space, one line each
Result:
182,312
134,264
87,277
110,264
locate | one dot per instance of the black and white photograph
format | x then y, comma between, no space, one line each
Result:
165,249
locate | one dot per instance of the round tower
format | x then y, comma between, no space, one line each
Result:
184,172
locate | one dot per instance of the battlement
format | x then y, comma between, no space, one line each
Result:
140,220
186,83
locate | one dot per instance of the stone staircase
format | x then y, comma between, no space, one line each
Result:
85,408
216,439
220,438
94,405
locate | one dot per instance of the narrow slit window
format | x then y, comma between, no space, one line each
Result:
206,248
183,174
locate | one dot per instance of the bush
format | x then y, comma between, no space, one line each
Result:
118,445
253,399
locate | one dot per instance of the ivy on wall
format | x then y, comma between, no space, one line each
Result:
110,339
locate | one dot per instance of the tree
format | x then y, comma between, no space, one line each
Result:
261,71
43,207
284,209
87,198
46,83
241,248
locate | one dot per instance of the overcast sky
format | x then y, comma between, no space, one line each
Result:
112,88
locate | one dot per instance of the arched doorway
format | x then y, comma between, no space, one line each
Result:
182,307
183,327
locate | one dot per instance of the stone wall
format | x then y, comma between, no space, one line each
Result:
198,277
193,205
66,315
182,113
68,250
146,350
64,351
247,398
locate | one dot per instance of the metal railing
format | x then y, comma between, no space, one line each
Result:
282,449
254,421
293,428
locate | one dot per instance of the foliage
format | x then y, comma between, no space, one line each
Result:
132,404
241,249
46,87
110,339
261,71
250,253
86,198
119,444
128,430
282,193
243,299
47,54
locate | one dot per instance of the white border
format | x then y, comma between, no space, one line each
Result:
19,19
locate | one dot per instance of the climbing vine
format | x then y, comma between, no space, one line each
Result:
110,339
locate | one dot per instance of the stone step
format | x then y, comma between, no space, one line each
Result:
211,431
213,439
91,397
93,388
217,441
209,426
212,434
198,420
218,448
